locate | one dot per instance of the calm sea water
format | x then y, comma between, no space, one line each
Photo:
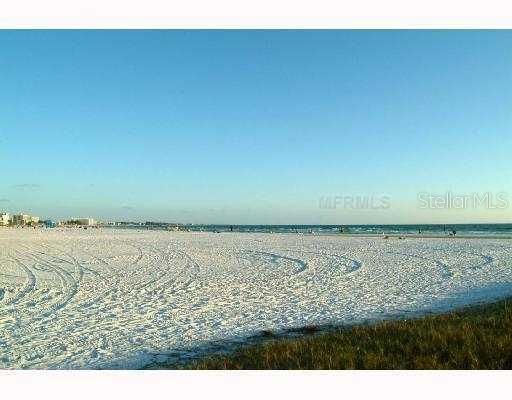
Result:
437,229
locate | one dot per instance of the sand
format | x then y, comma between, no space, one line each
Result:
111,298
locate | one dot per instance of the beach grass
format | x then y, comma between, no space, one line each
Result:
478,337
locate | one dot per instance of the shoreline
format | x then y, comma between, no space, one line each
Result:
305,234
427,236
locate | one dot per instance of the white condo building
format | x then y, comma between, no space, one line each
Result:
86,221
24,219
4,219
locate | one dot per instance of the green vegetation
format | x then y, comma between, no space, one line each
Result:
472,338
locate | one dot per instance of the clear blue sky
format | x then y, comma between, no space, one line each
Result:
253,126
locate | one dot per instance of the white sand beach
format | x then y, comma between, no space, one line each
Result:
111,298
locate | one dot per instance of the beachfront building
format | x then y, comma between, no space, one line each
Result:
4,219
24,219
86,221
79,222
20,219
48,223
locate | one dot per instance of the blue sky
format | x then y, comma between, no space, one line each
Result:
253,126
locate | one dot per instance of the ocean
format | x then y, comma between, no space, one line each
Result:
427,229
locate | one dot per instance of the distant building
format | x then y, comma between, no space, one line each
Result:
4,219
20,219
24,219
79,222
86,221
49,223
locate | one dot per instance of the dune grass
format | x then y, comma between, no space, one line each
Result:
473,338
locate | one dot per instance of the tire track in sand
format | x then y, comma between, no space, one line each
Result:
29,286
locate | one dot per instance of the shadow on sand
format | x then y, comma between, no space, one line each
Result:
177,358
